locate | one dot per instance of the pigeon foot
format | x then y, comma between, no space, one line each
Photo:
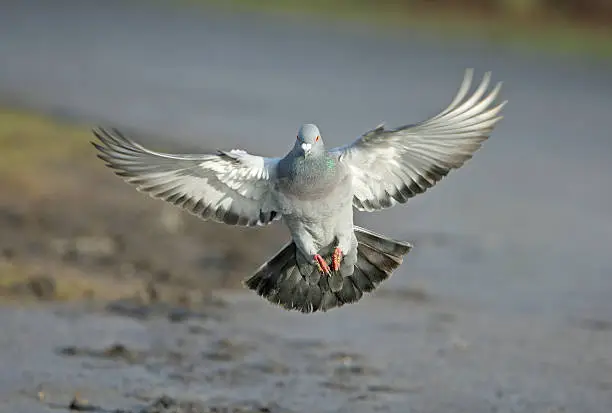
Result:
336,259
323,267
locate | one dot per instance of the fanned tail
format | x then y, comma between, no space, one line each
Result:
294,285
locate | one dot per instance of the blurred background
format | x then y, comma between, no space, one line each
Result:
112,301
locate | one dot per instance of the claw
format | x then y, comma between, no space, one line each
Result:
336,259
323,267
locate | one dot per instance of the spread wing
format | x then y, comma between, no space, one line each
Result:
229,187
391,166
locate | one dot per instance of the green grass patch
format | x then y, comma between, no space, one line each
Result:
34,149
518,23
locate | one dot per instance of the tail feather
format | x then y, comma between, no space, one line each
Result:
281,281
381,243
349,292
377,265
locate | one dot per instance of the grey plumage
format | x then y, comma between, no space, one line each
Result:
329,261
391,166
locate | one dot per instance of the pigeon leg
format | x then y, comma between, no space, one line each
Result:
336,259
323,267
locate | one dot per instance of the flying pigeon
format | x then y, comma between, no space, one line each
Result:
329,261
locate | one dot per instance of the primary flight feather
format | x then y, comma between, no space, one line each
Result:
329,261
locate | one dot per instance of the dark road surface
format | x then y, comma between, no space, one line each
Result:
513,250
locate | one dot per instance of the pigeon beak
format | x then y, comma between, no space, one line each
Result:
306,147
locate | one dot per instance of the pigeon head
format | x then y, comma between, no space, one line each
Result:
309,140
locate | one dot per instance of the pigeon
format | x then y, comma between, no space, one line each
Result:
329,261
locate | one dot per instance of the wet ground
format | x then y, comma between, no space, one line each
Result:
502,306
386,354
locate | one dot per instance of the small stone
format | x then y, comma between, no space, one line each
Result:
178,315
8,253
80,405
95,246
42,287
152,293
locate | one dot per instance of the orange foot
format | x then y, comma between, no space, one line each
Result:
323,267
336,259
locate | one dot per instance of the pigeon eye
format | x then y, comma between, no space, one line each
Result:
317,139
